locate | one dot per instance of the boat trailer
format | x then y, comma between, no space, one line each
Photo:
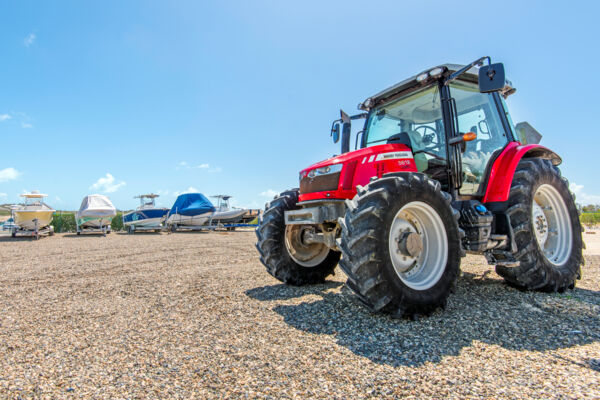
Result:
35,233
103,230
210,226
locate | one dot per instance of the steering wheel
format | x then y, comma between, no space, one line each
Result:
425,128
427,150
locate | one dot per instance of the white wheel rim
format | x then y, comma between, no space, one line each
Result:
551,224
307,255
425,270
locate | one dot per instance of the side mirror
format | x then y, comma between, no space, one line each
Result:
526,134
491,78
335,131
346,129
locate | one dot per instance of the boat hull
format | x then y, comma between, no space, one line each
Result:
94,222
188,220
146,218
32,219
228,217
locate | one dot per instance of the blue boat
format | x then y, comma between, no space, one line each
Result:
190,209
147,216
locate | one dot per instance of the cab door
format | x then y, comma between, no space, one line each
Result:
476,112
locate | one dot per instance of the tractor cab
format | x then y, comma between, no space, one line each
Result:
451,126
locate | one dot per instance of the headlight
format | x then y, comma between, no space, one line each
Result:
330,169
422,77
436,72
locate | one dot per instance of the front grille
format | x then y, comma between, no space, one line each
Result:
319,183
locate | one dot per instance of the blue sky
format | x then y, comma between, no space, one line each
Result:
236,97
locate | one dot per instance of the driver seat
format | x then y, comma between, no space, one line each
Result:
413,140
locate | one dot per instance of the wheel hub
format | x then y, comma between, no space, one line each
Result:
410,244
540,224
305,254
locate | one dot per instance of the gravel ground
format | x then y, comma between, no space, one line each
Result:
196,315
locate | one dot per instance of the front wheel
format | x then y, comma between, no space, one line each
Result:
546,228
282,248
401,245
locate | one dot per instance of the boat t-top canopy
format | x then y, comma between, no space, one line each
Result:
222,196
150,202
34,195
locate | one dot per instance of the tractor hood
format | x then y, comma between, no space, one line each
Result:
337,177
345,158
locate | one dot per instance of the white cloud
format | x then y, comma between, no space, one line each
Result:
29,39
3,195
58,199
582,197
269,193
26,125
107,184
5,117
8,174
205,166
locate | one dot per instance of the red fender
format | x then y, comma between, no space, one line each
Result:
503,170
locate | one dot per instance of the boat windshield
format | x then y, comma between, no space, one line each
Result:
147,202
33,201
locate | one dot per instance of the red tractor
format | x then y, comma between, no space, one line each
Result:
440,170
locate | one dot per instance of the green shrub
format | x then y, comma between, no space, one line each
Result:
64,221
590,218
117,222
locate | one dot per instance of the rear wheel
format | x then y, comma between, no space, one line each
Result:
546,228
400,244
282,249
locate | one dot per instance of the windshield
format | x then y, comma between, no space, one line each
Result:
419,114
414,120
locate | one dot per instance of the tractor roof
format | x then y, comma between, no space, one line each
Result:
471,75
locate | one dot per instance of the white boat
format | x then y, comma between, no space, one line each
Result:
95,214
34,215
147,216
226,214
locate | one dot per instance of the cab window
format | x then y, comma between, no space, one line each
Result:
415,120
477,112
